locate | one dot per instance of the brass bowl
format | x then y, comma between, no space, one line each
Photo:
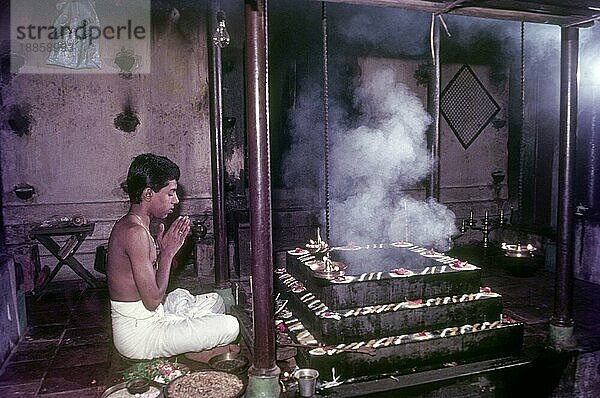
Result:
139,385
230,362
330,275
320,266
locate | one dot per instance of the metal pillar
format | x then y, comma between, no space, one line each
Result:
591,159
561,336
433,104
217,161
263,374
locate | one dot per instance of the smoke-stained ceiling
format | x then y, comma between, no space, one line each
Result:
558,12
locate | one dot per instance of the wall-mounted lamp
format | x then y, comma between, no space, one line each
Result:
498,123
125,60
221,37
24,191
229,122
199,229
497,177
19,119
127,121
422,74
16,62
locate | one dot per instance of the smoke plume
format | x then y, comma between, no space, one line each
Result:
373,162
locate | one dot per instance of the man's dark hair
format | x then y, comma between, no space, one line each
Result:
149,170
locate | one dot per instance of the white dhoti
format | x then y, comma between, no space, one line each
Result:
185,323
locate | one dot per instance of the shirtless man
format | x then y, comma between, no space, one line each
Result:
138,270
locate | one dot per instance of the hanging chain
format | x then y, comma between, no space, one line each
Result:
522,74
326,119
522,99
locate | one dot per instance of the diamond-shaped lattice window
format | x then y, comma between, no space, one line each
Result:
467,106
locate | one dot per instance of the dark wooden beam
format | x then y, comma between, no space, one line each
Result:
583,22
586,4
545,12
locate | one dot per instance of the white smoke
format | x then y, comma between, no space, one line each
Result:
390,146
371,163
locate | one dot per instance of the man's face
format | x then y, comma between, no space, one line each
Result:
164,201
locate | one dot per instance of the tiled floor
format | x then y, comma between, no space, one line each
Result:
67,350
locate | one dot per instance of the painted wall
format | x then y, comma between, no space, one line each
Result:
74,155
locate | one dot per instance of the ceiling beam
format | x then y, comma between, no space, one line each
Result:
584,22
523,11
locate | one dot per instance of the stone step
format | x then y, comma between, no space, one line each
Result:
337,326
426,277
503,340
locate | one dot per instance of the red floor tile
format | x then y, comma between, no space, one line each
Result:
88,318
47,316
85,393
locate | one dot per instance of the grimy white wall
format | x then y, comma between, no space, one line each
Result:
76,158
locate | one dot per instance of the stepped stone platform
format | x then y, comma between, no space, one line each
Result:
392,307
